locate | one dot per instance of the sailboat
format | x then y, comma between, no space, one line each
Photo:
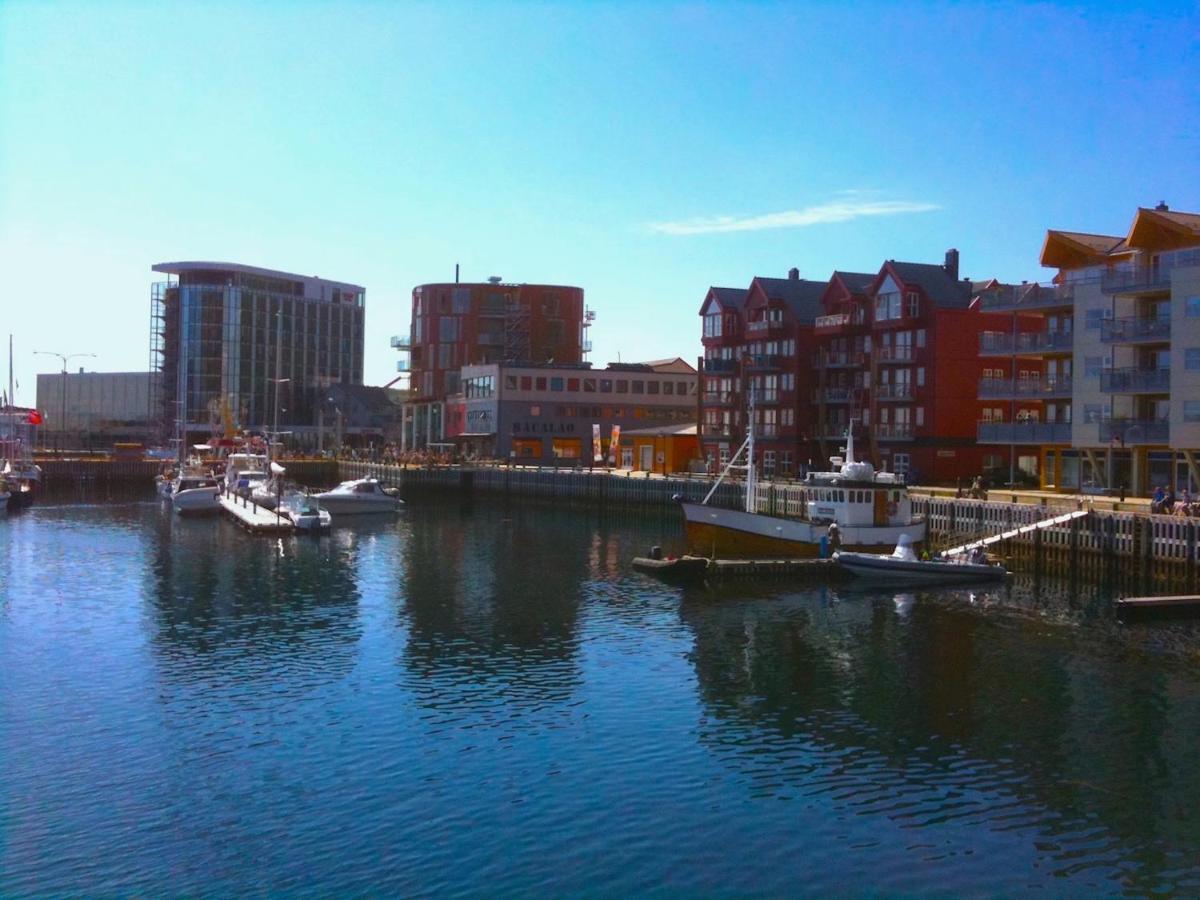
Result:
872,512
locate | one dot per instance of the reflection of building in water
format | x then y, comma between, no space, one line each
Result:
492,594
225,610
980,715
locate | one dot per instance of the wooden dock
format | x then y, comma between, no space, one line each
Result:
255,518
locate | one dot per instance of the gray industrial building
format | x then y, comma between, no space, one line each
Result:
96,409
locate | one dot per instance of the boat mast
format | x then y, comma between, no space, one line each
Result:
12,399
751,478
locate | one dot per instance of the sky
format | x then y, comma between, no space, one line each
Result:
642,151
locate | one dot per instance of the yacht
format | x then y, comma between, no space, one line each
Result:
266,493
244,472
362,495
903,565
195,492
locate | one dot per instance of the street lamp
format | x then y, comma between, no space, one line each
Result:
64,357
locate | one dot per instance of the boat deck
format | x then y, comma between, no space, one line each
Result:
700,567
256,518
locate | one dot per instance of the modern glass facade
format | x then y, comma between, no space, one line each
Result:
223,334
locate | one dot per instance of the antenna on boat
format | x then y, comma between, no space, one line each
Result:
850,445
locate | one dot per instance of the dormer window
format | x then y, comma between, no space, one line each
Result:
775,315
912,304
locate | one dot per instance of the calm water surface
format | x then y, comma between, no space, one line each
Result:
487,700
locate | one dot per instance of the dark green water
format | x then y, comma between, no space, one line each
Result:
486,700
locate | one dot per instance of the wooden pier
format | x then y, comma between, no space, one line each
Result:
255,518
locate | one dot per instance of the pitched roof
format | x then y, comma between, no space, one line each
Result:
675,364
802,297
935,281
855,282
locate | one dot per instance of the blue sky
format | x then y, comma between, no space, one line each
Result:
642,151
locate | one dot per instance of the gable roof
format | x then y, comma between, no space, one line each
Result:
676,365
932,279
801,296
855,282
727,297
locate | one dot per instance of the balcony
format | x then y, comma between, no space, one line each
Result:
1024,297
1135,279
1135,381
720,365
894,431
1135,330
764,326
402,365
900,353
585,346
831,324
1134,431
1031,343
761,362
839,360
401,342
490,340
885,392
719,398
1024,433
1053,388
834,430
836,395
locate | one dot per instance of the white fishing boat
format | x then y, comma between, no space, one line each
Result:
872,512
267,493
362,495
903,565
195,492
305,512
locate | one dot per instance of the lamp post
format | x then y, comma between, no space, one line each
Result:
64,357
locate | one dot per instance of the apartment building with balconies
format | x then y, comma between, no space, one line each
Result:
843,359
758,343
1131,308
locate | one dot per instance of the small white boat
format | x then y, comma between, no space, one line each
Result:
305,512
902,565
244,472
267,493
195,493
362,495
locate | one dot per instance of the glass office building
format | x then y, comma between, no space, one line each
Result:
243,348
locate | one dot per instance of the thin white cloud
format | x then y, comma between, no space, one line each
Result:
822,214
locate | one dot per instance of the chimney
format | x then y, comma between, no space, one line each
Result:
793,274
951,266
1162,206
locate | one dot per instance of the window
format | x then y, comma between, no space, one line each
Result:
639,387
556,384
540,381
1192,307
1093,317
573,385
1092,412
920,337
510,382
912,304
606,386
589,385
1091,366
1191,410
1191,359
712,325
920,415
921,376
448,328
668,387
535,409
900,463
526,383
651,387
622,386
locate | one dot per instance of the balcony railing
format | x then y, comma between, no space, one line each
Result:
585,346
1135,381
401,342
402,365
831,323
1135,330
1024,432
893,391
894,431
490,340
897,353
835,429
836,395
719,398
842,360
1020,297
1006,343
1130,279
763,325
720,365
1135,431
763,361
1025,388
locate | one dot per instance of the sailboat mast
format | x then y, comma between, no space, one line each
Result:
12,399
751,477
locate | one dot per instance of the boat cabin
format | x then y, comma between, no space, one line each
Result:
855,503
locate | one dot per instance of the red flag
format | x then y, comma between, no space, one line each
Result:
35,417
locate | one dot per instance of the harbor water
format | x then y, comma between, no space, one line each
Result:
476,698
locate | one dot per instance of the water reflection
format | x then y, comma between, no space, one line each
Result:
951,710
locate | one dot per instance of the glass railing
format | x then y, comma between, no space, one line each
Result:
1135,431
401,342
894,431
1155,276
1135,329
763,361
837,320
1128,381
1027,296
892,391
1033,388
720,365
1024,432
901,353
837,395
1025,342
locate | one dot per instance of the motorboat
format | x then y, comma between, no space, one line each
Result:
24,480
872,512
362,495
903,565
305,512
195,493
244,472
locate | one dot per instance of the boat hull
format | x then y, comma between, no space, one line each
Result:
912,571
346,505
734,534
196,501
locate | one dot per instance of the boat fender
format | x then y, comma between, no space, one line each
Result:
656,552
